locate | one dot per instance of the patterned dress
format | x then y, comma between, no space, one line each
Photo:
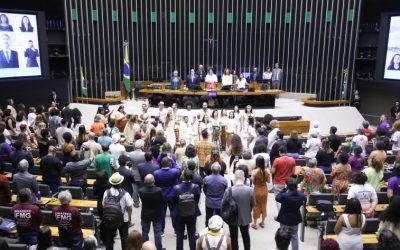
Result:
341,176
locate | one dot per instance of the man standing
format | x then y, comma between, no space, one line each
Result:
76,170
103,161
277,74
162,112
51,168
113,197
280,142
8,57
200,72
66,113
126,172
186,198
19,154
151,197
147,167
91,143
282,168
244,198
214,189
23,179
203,149
137,157
254,76
192,80
289,215
166,178
60,131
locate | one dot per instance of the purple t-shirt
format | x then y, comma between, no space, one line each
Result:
357,163
394,184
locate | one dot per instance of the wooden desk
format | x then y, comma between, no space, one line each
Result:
368,239
39,178
202,92
328,188
340,208
55,202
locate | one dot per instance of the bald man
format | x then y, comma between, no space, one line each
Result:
152,199
149,245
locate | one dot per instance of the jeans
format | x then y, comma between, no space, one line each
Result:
210,212
29,239
190,224
276,84
73,242
171,206
327,169
295,235
110,235
53,185
79,183
157,232
244,230
277,189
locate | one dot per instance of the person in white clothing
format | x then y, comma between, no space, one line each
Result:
204,111
31,116
169,128
116,149
396,137
315,129
162,111
227,79
214,237
364,192
189,112
349,226
272,137
211,77
312,146
185,130
241,82
360,139
267,75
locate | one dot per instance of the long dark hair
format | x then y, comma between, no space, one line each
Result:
236,145
44,238
391,213
29,23
353,206
260,163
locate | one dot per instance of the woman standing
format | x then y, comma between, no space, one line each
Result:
357,161
223,122
216,128
365,193
235,150
390,218
206,123
169,126
227,79
260,177
374,173
349,226
325,157
131,128
232,127
341,175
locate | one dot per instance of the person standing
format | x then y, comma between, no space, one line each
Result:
192,80
31,54
289,215
282,168
18,155
112,198
51,168
151,197
137,157
147,167
186,196
28,218
125,171
103,161
175,80
69,221
23,179
60,131
277,74
260,177
166,178
203,148
243,196
214,187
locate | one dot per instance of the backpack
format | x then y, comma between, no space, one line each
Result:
214,248
186,203
113,216
229,209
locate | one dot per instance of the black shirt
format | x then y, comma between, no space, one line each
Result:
16,156
44,145
294,146
146,168
129,179
335,142
51,168
152,199
324,158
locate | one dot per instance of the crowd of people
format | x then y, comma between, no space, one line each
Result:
168,161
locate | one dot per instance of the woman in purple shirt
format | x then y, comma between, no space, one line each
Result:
357,161
5,148
394,184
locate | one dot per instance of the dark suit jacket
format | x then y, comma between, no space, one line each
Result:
128,179
146,168
52,99
201,74
253,77
195,82
291,202
151,197
31,55
13,63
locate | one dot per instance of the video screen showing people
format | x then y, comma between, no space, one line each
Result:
392,63
19,45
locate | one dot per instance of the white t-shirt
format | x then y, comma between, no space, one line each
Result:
31,119
396,141
267,75
125,202
272,137
364,193
241,84
60,131
191,114
202,113
163,114
232,126
211,78
266,158
312,146
117,150
361,140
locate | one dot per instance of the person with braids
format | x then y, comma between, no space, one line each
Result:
390,218
350,225
375,173
260,177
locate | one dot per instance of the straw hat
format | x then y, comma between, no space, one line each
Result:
116,179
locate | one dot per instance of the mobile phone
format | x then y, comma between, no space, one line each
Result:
236,157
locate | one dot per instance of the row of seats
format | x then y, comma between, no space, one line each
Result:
313,198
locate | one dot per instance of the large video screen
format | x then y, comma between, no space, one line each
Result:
392,62
19,45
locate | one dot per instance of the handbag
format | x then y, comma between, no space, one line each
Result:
324,206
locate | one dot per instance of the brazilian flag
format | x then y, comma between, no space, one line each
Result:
83,85
126,70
